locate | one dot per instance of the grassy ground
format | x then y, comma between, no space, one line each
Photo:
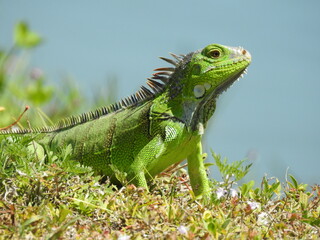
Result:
59,199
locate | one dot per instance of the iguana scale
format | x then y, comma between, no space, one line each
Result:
144,134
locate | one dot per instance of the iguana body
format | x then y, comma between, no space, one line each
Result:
144,134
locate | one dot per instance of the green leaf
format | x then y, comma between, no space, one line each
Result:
246,187
63,213
236,168
274,187
25,38
303,199
60,230
28,222
294,181
207,215
212,228
67,152
312,221
226,223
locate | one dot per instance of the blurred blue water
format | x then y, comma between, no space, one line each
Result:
272,115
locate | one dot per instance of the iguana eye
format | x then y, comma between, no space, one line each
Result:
215,53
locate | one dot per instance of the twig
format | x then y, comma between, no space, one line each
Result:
15,122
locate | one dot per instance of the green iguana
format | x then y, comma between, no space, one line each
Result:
144,134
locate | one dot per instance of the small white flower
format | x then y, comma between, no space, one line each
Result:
228,176
100,191
124,237
233,192
253,205
21,173
221,192
263,218
183,229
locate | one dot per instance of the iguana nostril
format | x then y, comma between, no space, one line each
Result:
246,54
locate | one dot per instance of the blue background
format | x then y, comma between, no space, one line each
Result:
271,116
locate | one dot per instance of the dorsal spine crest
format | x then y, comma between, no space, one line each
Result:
157,84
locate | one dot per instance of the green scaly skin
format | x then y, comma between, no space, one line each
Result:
146,133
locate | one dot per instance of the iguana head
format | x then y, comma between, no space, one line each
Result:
198,78
212,70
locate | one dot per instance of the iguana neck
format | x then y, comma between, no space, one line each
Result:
194,114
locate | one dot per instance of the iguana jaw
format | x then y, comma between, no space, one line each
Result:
194,113
199,116
228,83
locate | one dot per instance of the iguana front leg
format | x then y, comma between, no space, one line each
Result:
139,179
139,170
197,172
